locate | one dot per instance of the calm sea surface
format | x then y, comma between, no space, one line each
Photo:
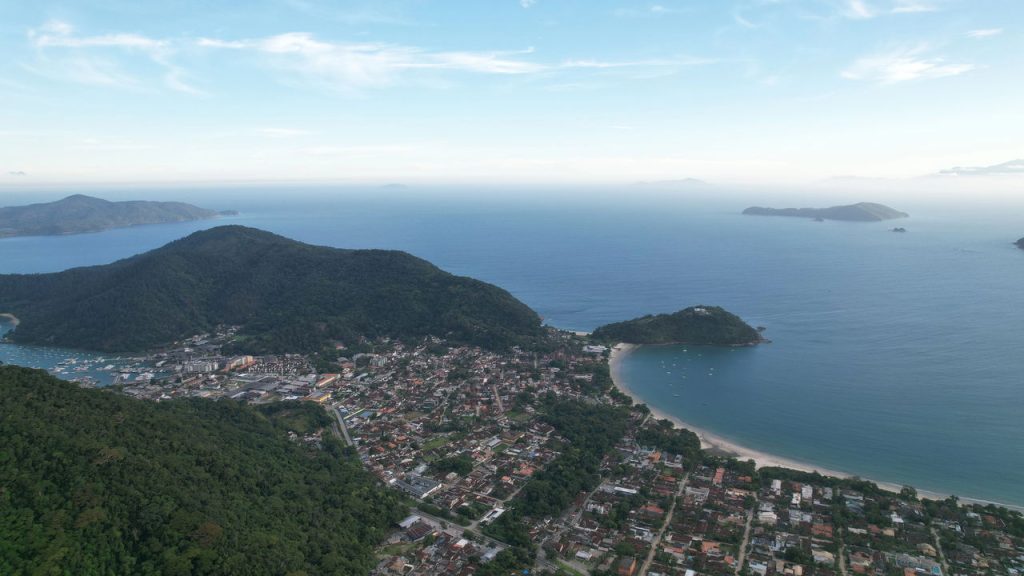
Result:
898,357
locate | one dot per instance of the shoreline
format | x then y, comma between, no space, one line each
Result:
9,318
720,446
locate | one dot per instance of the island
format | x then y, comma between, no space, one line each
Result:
79,214
1020,243
707,325
860,212
285,296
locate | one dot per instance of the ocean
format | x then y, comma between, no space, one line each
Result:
894,356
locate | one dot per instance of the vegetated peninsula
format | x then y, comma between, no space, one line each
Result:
99,483
860,212
284,295
79,213
697,325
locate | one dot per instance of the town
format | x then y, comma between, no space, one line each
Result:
472,436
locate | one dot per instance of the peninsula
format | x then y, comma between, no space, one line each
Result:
284,295
710,325
860,212
79,214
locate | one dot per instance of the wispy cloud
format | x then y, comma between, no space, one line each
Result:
17,173
527,3
1013,167
859,9
913,7
652,10
87,60
902,66
985,33
355,66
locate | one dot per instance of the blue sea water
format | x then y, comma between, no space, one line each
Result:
897,357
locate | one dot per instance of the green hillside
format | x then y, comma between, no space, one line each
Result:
92,482
287,296
79,213
710,325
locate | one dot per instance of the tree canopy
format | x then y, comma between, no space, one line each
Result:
287,297
92,482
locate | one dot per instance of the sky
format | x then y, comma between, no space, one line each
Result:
517,91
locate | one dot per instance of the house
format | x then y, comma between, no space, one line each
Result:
626,567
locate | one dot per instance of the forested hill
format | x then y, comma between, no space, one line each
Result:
860,212
92,482
79,213
696,325
286,295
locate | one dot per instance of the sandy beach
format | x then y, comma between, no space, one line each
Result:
719,445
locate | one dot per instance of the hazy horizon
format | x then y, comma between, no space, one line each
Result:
807,93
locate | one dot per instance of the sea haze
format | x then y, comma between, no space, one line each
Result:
896,357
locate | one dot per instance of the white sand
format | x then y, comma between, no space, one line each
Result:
713,442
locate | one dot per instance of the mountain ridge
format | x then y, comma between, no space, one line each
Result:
286,295
78,214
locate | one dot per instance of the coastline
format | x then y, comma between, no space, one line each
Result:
9,318
723,447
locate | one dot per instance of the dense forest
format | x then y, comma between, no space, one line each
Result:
710,325
92,482
286,295
79,213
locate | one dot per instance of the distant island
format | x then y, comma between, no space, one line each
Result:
285,295
860,212
1020,243
78,214
708,325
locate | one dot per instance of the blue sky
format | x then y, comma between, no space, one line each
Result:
773,91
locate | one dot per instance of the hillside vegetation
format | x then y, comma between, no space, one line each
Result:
696,325
79,213
287,297
860,212
92,483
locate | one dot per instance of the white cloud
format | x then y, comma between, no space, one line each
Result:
913,7
354,66
902,66
78,63
985,33
59,34
527,3
858,9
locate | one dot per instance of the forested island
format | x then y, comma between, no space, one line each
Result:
285,295
710,325
78,213
860,212
93,482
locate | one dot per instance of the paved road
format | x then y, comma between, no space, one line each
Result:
664,527
746,539
340,429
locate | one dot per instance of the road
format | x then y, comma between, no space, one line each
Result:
746,539
340,429
668,522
